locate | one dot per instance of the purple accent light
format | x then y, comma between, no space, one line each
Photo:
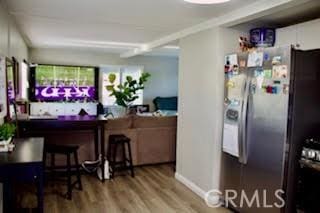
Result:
45,93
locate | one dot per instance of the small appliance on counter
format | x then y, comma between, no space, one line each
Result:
311,151
308,184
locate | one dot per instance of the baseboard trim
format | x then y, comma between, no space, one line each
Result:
192,186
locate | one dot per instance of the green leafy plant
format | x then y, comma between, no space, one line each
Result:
126,93
7,130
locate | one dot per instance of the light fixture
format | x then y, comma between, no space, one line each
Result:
206,1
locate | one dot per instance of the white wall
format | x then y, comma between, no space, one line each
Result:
11,41
306,35
17,45
201,96
163,70
11,44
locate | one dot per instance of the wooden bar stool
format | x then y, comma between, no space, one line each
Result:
66,150
116,141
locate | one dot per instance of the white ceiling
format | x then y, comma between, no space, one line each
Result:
307,11
109,25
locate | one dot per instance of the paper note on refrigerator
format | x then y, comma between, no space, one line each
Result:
231,59
230,139
255,59
235,86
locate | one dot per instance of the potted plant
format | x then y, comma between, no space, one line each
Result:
7,131
126,93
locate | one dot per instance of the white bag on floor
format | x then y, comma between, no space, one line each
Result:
106,171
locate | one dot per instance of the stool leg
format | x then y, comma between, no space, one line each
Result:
109,152
77,169
109,156
69,193
130,159
44,163
40,189
114,160
52,164
44,159
124,158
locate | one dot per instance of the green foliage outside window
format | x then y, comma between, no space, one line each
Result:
126,93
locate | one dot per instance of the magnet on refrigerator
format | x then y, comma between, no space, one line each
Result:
235,70
285,89
255,59
280,71
268,73
230,84
242,63
276,60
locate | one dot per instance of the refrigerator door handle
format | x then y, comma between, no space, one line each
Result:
243,158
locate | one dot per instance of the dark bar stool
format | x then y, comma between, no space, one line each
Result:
67,150
125,163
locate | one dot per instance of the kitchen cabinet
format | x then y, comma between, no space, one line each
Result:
303,36
57,109
39,108
308,35
286,36
73,108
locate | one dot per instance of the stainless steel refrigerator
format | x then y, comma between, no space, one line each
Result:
271,103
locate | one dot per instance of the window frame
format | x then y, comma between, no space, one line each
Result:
121,69
32,81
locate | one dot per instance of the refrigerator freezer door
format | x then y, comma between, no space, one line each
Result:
231,167
231,139
235,89
266,136
243,158
231,179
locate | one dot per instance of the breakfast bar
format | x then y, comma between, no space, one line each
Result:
66,125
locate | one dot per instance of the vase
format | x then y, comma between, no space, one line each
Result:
118,111
6,142
4,145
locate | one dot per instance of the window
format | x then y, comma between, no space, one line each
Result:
121,74
56,83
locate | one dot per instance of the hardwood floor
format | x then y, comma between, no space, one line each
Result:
154,189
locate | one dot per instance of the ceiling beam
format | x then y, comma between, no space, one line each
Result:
250,12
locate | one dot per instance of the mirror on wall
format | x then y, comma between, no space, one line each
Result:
21,89
11,94
3,88
16,77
